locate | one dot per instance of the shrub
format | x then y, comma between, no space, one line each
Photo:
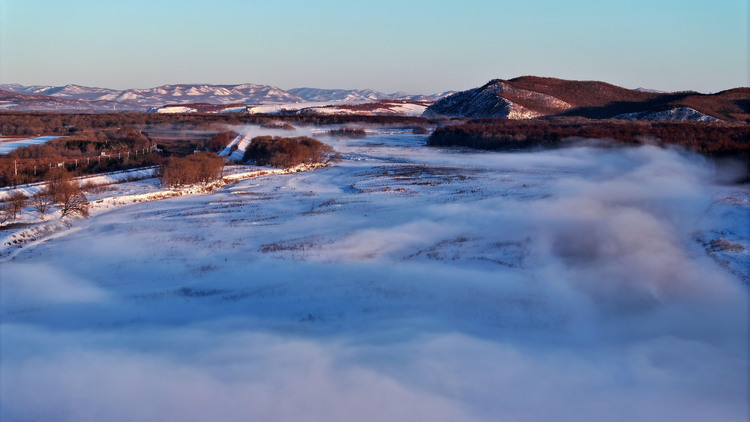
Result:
277,125
202,167
350,133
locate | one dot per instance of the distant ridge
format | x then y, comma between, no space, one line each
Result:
359,95
101,99
83,98
518,98
532,96
30,102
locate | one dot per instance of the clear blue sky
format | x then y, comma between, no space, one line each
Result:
418,46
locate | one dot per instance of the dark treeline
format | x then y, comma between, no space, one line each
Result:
287,152
38,123
94,143
84,152
502,134
86,143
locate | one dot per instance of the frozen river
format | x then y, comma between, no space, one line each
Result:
405,283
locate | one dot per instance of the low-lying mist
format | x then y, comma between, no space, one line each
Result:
405,283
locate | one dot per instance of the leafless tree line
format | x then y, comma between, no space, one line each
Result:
62,192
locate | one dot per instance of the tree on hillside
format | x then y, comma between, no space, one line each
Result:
73,201
41,201
5,213
67,194
16,202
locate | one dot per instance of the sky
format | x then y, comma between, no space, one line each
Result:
417,46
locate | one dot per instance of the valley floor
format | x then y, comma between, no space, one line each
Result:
404,283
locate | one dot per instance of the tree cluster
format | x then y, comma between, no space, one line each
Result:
202,167
50,123
12,206
288,152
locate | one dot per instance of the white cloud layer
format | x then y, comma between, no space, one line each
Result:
403,284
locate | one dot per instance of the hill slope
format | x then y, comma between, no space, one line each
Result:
530,96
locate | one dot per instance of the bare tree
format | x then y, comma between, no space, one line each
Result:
58,180
67,194
5,213
41,201
72,200
16,202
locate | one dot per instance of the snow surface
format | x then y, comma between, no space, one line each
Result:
98,180
226,152
175,109
684,114
405,283
386,108
7,145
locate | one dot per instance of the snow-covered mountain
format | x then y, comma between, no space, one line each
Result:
32,102
214,94
337,95
359,95
161,95
77,97
70,92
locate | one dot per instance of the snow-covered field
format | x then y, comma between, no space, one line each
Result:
405,283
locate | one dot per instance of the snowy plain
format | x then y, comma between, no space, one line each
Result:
403,283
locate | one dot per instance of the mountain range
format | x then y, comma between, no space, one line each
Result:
519,98
78,98
532,96
360,95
